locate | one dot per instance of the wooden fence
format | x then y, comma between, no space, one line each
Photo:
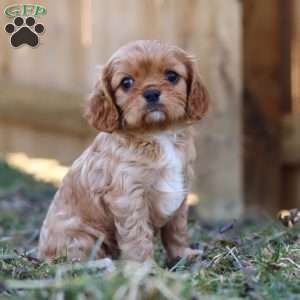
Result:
248,146
290,195
42,89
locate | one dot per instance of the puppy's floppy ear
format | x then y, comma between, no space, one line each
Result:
100,109
198,98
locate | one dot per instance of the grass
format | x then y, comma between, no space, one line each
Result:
256,258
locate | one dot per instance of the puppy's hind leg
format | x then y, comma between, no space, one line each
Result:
75,244
83,246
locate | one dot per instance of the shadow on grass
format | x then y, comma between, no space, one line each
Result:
23,203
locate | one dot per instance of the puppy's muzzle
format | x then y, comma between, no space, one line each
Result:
151,95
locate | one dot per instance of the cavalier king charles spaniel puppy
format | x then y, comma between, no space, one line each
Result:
132,182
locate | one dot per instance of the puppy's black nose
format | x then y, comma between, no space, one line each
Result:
151,95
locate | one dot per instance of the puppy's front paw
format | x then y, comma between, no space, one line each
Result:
190,253
186,254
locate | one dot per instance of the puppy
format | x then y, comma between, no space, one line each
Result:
132,182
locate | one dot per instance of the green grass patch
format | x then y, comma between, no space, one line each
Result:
252,259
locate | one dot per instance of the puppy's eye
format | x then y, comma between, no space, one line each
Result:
172,76
126,83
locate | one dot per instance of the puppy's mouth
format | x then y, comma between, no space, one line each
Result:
155,114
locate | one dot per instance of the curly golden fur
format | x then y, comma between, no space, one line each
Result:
132,182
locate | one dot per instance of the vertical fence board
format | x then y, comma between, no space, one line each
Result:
262,102
210,29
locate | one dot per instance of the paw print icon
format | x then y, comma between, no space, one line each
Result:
24,31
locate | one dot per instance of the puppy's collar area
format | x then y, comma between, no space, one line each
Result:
157,136
172,137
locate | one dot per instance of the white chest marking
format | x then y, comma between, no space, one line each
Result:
171,184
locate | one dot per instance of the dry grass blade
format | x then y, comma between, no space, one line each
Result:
231,252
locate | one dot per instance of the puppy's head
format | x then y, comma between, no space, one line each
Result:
147,85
